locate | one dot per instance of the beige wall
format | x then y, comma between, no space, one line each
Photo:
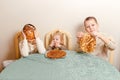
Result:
47,15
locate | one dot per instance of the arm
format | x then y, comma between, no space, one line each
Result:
79,36
49,48
62,47
78,49
108,41
40,46
39,43
24,49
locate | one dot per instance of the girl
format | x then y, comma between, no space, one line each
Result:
31,43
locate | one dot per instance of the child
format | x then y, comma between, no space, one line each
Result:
31,43
102,43
57,42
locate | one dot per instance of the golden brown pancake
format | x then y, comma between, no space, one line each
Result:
55,54
87,43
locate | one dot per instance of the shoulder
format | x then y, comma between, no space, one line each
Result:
109,36
38,39
110,40
24,41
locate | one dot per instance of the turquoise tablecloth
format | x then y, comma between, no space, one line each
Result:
75,66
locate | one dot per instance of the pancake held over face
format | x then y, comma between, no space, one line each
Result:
55,54
87,43
29,32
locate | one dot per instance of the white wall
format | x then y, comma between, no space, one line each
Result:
47,15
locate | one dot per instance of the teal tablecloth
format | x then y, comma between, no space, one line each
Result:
75,66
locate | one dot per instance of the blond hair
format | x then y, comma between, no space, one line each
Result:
60,34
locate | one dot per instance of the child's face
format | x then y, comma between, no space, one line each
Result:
91,26
56,39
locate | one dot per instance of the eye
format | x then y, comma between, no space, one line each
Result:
87,26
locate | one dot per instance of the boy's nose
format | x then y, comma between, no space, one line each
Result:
90,26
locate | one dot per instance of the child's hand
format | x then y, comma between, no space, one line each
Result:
52,44
36,34
95,34
80,34
23,34
57,44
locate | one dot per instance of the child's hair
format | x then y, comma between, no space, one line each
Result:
30,26
90,17
61,36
